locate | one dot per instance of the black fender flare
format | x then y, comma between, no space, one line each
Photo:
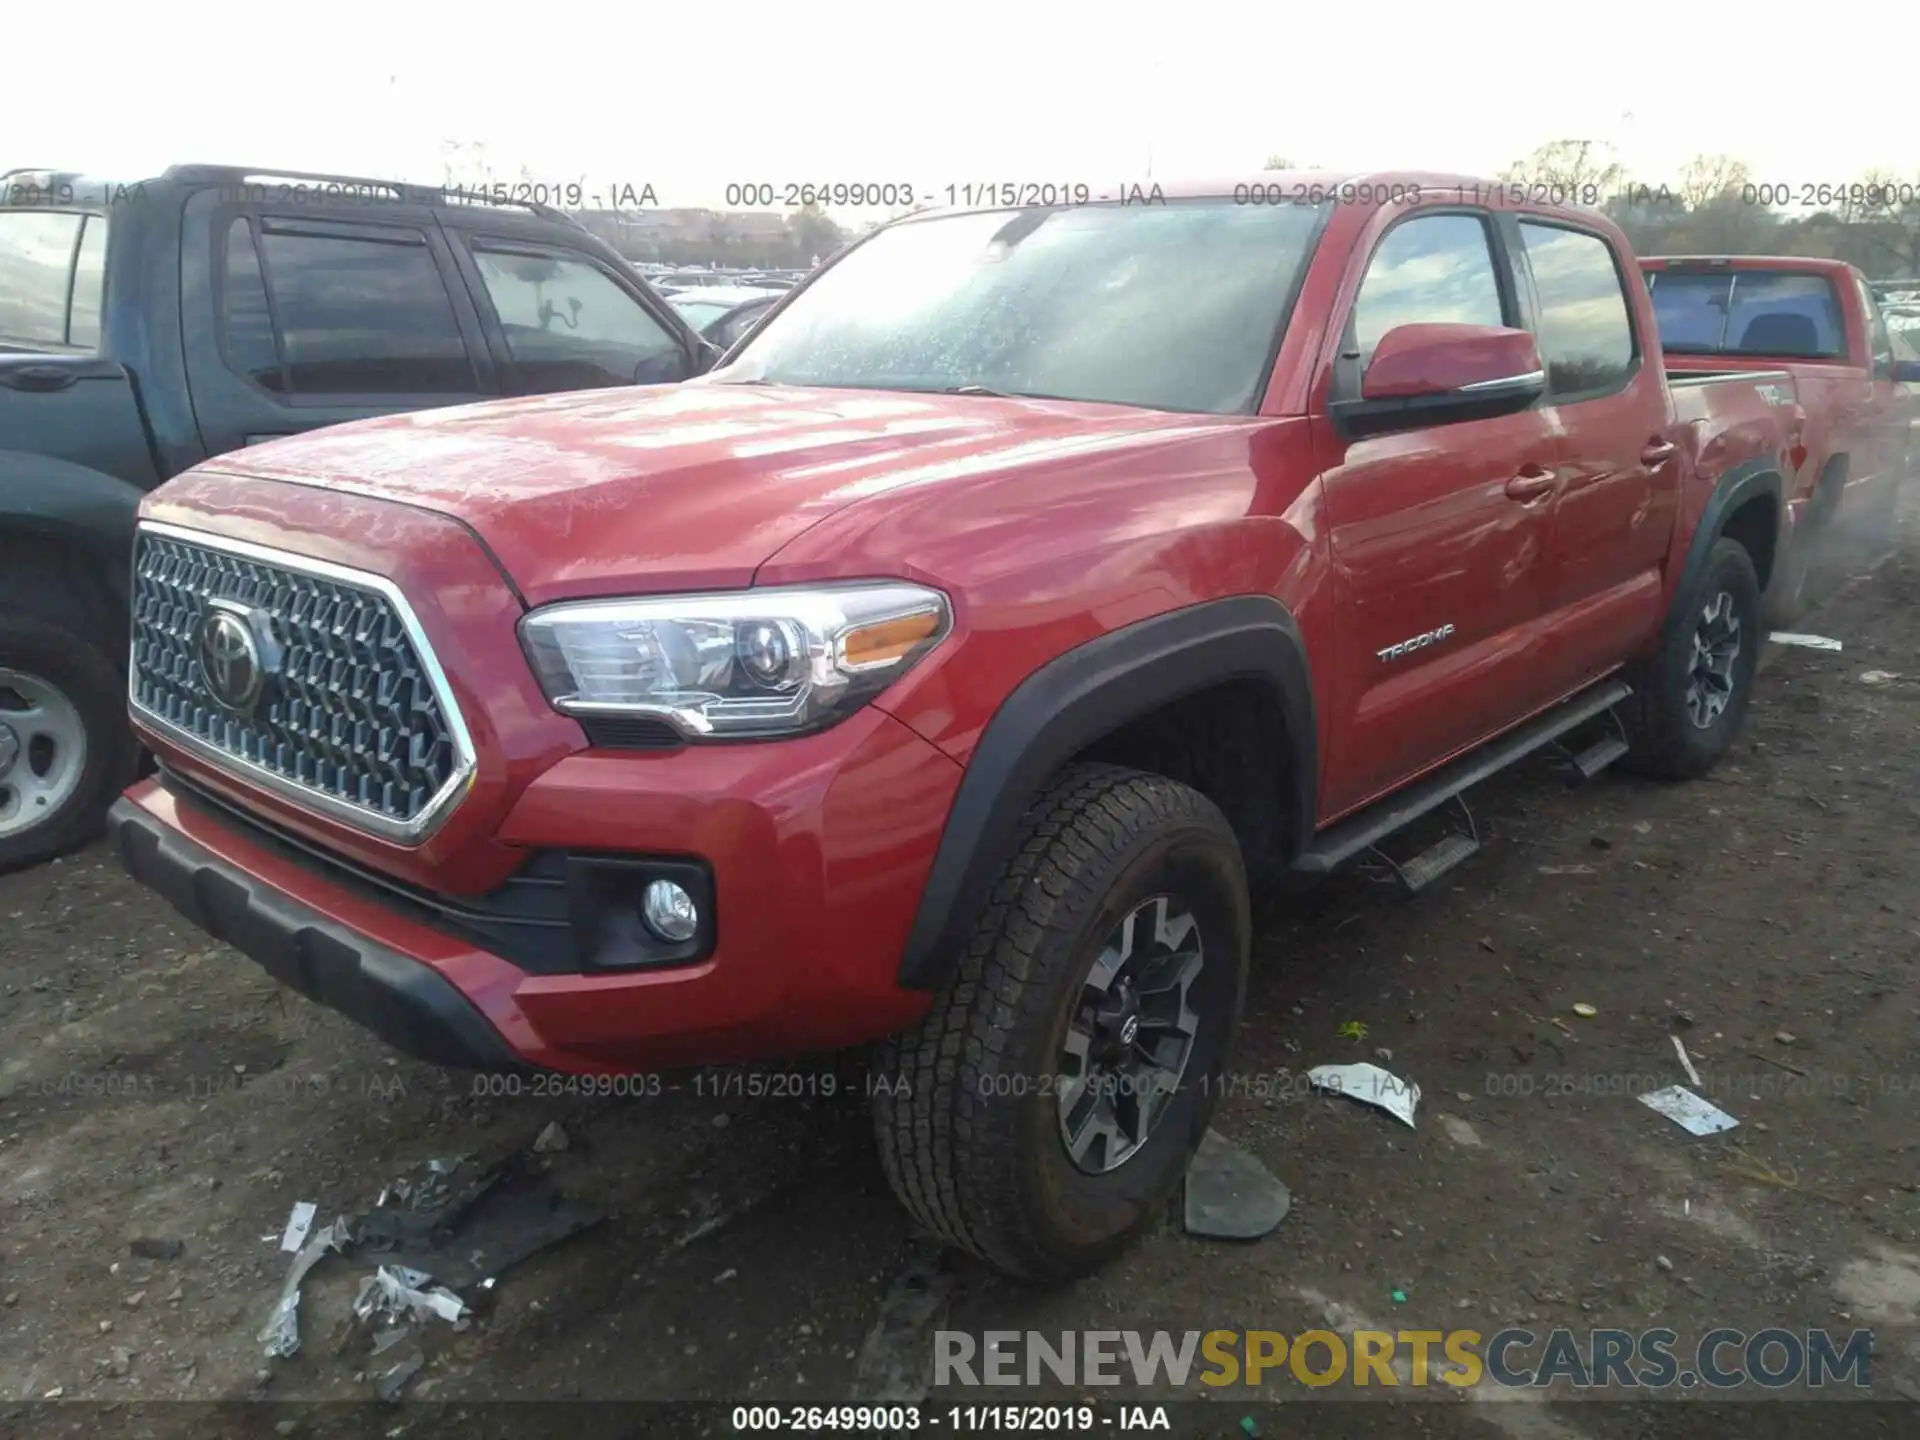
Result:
1077,698
1757,477
43,499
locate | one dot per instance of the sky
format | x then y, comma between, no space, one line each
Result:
687,98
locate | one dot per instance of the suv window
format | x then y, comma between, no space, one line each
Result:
1430,270
351,312
1586,330
570,326
40,303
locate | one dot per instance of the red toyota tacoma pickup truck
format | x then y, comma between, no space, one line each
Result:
1819,321
943,669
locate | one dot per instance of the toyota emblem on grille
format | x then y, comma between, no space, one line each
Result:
230,657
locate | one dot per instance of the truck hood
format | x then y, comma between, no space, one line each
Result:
690,487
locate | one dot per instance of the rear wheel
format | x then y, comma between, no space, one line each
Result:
1052,1097
65,746
1690,698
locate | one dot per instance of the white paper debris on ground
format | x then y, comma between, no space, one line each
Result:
1689,1111
298,1224
1686,1061
1878,677
1806,642
1371,1085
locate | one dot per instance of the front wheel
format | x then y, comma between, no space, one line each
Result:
1690,697
65,746
1052,1097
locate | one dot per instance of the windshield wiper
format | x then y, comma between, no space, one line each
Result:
975,390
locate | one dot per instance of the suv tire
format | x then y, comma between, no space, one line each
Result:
1691,695
1108,965
65,746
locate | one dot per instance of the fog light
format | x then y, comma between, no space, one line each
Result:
669,911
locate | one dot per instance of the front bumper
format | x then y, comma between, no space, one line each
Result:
410,1005
819,849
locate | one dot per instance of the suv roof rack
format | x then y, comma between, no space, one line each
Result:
401,189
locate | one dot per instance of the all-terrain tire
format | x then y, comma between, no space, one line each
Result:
50,658
970,1129
1663,715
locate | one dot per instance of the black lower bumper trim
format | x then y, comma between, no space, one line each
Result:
399,999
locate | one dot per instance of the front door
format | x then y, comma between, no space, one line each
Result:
1438,535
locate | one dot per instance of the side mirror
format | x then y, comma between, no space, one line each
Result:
1439,374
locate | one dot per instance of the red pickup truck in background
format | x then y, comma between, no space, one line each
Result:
943,670
1820,322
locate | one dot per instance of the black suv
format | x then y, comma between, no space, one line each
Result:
146,326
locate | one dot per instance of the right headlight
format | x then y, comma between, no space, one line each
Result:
778,661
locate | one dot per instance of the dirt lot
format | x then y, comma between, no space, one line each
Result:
156,1086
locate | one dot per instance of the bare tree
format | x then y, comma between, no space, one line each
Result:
1706,178
1583,171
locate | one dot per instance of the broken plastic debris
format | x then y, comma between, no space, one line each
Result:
281,1333
554,1137
390,1382
496,1221
387,1339
1370,1084
1686,1062
1585,1011
298,1224
1567,870
1878,677
1230,1195
1689,1111
1808,642
399,1293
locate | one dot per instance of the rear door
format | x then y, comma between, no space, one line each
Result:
1620,475
563,313
1438,534
302,309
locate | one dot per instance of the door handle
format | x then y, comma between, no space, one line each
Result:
1530,484
1657,451
39,379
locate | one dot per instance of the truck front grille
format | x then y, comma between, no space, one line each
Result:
310,679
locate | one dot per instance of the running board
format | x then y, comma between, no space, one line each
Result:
1340,843
1599,755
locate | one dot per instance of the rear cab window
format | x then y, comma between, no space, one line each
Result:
1748,312
53,272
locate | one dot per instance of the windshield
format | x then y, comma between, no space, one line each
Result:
1170,306
1746,312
